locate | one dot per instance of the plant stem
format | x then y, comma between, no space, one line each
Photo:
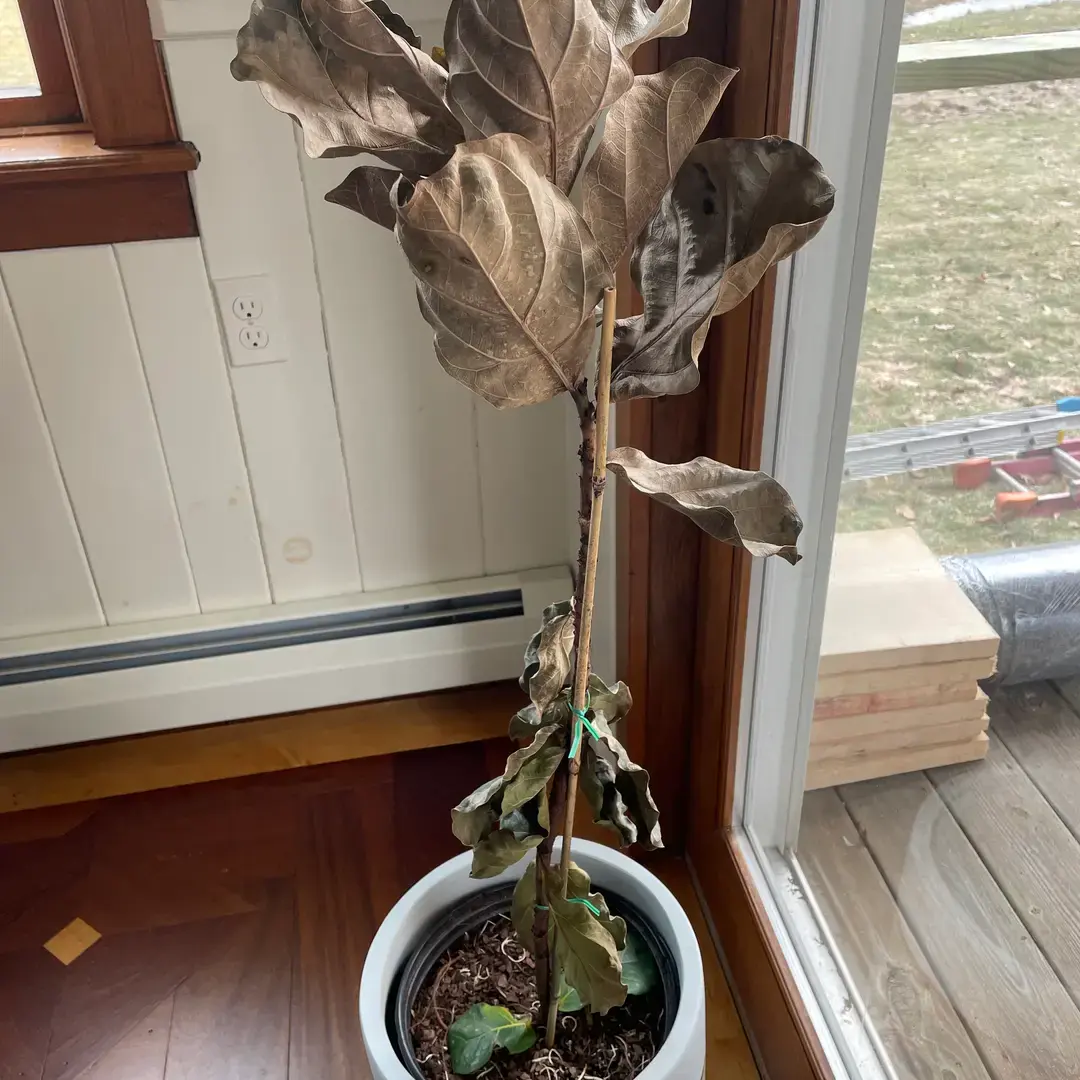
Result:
594,440
587,586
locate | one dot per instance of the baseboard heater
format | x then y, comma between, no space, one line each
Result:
83,685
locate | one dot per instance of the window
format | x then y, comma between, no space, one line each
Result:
89,152
36,86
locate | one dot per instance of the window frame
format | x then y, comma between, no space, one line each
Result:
58,102
117,172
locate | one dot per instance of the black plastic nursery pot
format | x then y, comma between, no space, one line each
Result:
471,914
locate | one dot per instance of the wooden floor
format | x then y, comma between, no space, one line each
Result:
217,931
954,898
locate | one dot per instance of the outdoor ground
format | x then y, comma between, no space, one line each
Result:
973,304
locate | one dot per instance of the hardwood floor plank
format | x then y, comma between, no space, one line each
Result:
334,926
141,1053
29,986
910,1011
231,1017
1033,857
1042,733
1018,1013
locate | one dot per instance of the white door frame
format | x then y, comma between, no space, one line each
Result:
845,68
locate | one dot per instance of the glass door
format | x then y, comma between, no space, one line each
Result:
911,773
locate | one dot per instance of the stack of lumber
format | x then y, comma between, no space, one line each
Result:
902,652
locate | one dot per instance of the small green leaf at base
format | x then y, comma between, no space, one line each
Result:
569,999
639,971
473,1037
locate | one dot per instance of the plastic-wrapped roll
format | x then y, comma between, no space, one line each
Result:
1031,597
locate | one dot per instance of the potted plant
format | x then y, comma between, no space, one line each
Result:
526,160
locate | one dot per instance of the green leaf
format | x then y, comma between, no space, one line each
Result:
639,971
533,776
475,816
472,1038
499,851
547,656
527,721
587,947
569,999
523,908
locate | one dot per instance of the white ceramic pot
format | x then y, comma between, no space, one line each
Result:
682,1057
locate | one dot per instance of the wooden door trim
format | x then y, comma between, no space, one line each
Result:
684,603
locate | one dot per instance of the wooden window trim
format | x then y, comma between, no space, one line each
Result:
684,603
58,102
119,172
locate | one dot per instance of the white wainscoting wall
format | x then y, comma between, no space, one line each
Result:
142,477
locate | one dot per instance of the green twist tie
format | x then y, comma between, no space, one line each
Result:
581,723
575,900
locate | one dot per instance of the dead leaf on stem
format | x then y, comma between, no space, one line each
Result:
341,106
543,71
366,190
746,509
737,207
547,656
509,274
647,135
633,22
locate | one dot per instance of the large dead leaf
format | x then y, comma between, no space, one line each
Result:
367,191
340,105
737,207
746,509
547,656
647,135
360,33
509,274
541,70
633,22
617,789
587,945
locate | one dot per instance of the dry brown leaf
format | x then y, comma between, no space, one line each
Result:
633,22
541,70
547,656
509,274
737,207
340,105
357,31
367,191
746,509
647,135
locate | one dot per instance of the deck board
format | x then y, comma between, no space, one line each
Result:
1019,1015
912,1014
1042,732
1028,849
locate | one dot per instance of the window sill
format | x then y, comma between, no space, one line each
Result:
62,190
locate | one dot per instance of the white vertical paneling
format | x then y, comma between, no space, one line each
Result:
408,428
45,583
71,311
253,219
176,325
526,483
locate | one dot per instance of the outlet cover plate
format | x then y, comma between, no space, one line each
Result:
252,320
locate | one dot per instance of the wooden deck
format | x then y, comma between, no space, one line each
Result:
953,896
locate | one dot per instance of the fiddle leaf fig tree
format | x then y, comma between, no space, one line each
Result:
522,162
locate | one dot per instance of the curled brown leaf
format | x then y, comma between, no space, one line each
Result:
341,107
633,22
366,190
508,273
737,207
544,71
746,509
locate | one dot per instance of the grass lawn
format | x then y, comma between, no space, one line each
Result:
16,65
973,303
1063,15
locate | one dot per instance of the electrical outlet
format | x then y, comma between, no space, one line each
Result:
252,320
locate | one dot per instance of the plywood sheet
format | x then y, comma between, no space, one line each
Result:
882,742
889,763
897,678
890,604
843,729
915,697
